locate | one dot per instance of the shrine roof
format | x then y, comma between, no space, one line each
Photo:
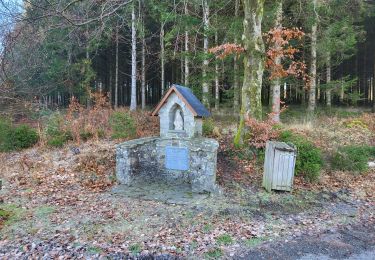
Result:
187,96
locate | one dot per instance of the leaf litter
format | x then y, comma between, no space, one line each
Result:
82,218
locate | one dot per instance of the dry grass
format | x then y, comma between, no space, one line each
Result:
330,133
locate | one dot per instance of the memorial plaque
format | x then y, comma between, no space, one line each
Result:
176,158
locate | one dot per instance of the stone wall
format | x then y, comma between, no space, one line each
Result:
144,160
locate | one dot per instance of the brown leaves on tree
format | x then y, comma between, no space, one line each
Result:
279,41
281,54
261,131
226,49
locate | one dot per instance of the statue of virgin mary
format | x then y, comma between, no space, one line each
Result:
178,121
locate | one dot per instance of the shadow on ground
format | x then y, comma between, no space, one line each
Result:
161,191
348,242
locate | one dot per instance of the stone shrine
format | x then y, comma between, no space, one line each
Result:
180,154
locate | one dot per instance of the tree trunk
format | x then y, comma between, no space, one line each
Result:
182,66
312,90
318,89
87,44
133,100
88,90
254,61
276,83
205,84
162,59
216,77
236,81
116,70
110,81
342,91
186,48
328,91
143,72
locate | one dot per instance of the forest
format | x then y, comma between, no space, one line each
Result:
134,50
187,129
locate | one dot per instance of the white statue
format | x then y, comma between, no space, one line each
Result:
178,121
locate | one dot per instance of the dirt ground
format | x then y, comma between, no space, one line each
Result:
59,210
64,203
355,241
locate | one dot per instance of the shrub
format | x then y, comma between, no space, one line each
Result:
261,131
260,155
122,125
58,140
24,137
309,158
352,158
356,123
5,135
54,125
15,138
55,133
208,127
86,123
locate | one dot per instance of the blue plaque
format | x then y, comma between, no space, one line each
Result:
176,158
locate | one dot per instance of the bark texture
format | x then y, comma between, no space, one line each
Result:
162,59
276,82
236,81
328,80
205,85
187,71
216,77
312,90
254,61
116,70
133,100
143,70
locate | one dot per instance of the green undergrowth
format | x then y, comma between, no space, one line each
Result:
55,134
353,158
282,202
214,253
208,127
16,137
253,242
309,161
244,153
4,215
11,214
123,125
135,249
224,239
22,221
301,114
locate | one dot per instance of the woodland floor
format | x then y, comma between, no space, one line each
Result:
64,205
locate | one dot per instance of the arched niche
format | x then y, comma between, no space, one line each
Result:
172,117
